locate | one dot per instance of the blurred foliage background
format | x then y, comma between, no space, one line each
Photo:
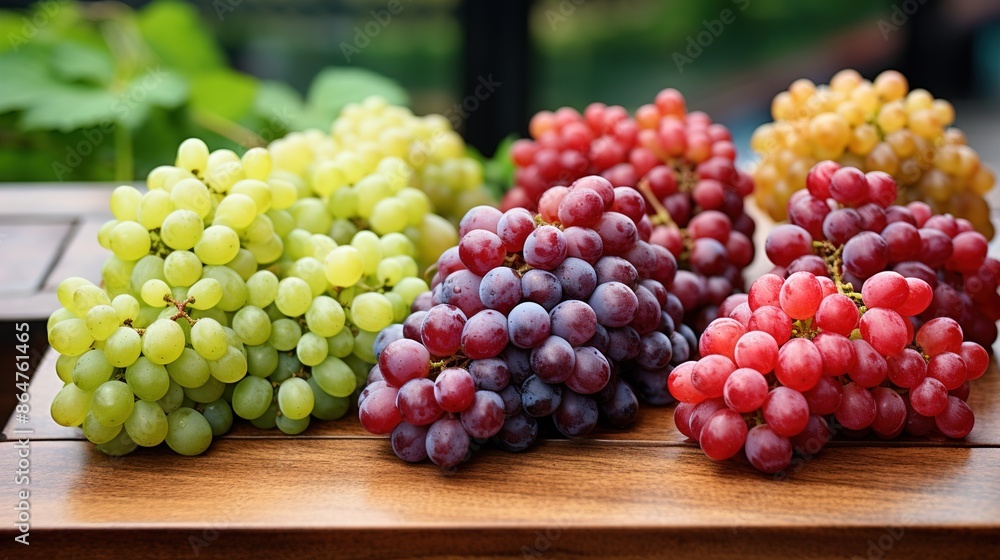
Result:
106,90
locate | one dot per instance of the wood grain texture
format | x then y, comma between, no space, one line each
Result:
592,499
28,251
655,424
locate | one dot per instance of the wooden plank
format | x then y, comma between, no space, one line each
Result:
655,424
593,500
56,199
28,251
83,256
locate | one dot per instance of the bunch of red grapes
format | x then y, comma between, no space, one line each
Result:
843,207
681,162
805,356
530,324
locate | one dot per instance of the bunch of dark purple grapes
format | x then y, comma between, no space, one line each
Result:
531,324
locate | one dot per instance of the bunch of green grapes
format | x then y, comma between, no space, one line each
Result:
385,169
879,125
220,301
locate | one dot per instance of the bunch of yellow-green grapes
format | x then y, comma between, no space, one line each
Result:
216,303
385,169
878,125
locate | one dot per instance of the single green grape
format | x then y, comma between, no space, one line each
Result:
262,288
291,427
364,344
192,155
189,369
147,425
219,415
267,251
173,398
252,397
312,349
102,321
410,288
64,367
288,365
341,344
344,266
206,292
322,246
267,420
120,445
325,316
126,306
335,377
124,201
313,272
181,229
229,368
260,229
295,398
91,370
70,406
236,211
294,296
163,341
208,338
148,381
257,190
212,390
66,288
244,264
98,433
328,407
252,325
112,403
146,269
154,293
261,360
192,194
153,209
188,432
129,241
123,347
285,334
367,243
389,215
182,268
217,245
342,231
87,297
257,163
234,288
371,311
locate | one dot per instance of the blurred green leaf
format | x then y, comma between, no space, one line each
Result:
73,61
278,104
154,88
69,107
24,80
334,88
175,32
224,93
499,169
11,29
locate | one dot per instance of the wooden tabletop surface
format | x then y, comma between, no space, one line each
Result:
338,492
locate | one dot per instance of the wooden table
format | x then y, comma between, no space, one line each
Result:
338,492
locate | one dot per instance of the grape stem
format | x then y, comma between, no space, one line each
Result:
833,257
662,216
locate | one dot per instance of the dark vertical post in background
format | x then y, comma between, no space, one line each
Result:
497,49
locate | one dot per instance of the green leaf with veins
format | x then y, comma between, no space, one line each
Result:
77,62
